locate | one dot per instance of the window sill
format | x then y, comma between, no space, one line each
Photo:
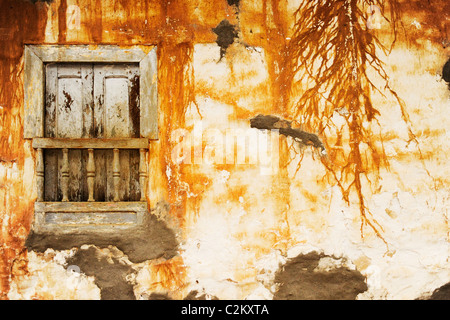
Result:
74,217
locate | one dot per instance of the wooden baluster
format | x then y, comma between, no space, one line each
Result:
91,174
65,176
116,174
40,174
143,173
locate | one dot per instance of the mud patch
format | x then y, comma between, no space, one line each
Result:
110,273
442,293
270,122
152,240
158,296
300,279
226,33
194,295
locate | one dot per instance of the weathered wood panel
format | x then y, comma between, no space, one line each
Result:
118,143
51,175
89,206
86,53
116,101
100,181
98,216
90,218
51,87
87,76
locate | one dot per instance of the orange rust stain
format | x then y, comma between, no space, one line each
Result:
169,275
235,192
280,67
62,23
266,24
175,79
310,196
237,195
20,22
198,185
433,17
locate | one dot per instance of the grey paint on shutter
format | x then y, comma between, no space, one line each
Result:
68,113
116,103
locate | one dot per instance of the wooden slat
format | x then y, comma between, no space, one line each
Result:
63,143
51,82
51,175
77,175
99,101
143,173
116,174
87,76
101,177
40,174
109,179
91,174
134,189
124,184
65,176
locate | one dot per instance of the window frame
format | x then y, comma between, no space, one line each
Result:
35,58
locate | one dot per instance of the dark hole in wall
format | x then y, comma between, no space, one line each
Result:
298,281
226,33
233,3
446,72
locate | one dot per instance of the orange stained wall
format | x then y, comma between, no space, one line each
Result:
174,26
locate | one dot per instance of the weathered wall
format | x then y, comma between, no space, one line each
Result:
236,228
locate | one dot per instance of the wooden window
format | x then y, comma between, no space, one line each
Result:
91,101
90,113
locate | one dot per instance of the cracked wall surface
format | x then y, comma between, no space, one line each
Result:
238,211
